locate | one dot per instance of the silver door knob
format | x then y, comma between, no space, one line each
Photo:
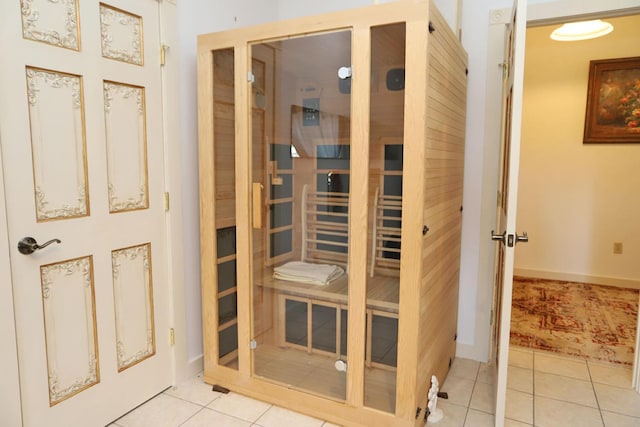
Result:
28,245
524,238
499,237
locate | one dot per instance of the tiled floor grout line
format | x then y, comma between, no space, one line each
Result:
569,401
533,388
206,406
191,401
202,408
593,387
266,410
475,381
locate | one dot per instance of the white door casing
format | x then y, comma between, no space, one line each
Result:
82,145
10,414
506,221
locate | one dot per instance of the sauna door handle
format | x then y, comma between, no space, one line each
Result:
257,204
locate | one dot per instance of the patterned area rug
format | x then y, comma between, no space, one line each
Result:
590,321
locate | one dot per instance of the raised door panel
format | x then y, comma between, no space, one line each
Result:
133,302
126,140
68,302
52,22
56,117
121,33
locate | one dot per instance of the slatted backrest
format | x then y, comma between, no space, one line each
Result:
325,227
385,251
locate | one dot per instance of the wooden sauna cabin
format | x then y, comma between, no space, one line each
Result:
331,169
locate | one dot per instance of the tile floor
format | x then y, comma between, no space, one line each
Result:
544,390
193,404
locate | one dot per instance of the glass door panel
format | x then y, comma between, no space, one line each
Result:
301,156
225,210
385,193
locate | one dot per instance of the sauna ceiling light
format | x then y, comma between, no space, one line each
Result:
582,30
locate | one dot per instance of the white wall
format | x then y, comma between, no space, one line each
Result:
480,175
576,199
293,8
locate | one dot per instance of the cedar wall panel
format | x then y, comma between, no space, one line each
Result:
446,115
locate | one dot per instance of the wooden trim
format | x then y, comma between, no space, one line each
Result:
225,259
367,357
243,169
227,292
224,360
226,325
358,210
323,408
415,110
208,245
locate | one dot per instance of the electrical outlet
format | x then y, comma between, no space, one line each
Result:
617,247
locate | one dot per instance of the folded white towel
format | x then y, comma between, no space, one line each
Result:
317,274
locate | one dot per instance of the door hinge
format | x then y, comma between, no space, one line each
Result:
166,201
505,70
491,318
251,78
253,344
172,337
163,53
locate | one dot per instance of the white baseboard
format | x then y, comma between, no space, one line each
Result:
193,367
196,365
579,278
468,351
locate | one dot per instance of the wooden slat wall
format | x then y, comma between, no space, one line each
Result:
446,112
224,139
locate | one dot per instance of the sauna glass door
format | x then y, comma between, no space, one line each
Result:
300,152
386,165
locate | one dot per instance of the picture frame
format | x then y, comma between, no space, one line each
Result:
613,101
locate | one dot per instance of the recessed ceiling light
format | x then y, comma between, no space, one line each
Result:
582,30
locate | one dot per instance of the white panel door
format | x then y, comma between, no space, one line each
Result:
82,150
506,228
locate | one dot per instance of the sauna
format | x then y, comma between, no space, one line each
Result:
331,167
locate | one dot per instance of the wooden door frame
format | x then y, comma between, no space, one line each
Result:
10,386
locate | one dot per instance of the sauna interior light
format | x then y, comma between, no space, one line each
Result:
582,30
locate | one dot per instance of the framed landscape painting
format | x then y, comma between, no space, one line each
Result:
613,101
